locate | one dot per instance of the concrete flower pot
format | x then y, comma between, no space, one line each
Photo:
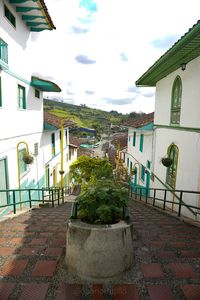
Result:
98,251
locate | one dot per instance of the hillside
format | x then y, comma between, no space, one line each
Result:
90,117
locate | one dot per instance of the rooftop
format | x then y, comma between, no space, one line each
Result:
184,50
55,121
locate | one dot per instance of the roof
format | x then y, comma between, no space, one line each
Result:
55,122
34,13
141,121
44,85
184,50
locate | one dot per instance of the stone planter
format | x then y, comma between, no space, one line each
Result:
98,251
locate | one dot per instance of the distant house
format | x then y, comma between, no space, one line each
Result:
177,123
58,153
21,98
138,157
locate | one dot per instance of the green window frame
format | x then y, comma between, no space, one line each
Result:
134,138
176,101
37,94
148,164
127,161
53,148
3,51
0,93
21,97
172,170
131,166
141,142
129,138
23,168
142,172
9,16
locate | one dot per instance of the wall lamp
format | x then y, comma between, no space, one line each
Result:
183,66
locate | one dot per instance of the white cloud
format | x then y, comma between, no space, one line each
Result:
119,37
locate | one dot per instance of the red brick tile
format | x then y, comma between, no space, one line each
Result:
6,251
18,240
157,244
166,254
178,244
188,253
182,270
6,290
54,251
28,251
34,291
191,291
125,292
152,270
59,243
97,292
2,240
160,292
13,268
44,268
38,241
69,292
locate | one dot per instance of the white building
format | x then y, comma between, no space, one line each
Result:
138,157
177,124
21,98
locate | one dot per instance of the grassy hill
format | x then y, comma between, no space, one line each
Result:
84,116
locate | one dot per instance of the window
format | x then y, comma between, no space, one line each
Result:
176,101
142,172
53,144
134,138
22,166
37,93
148,164
131,166
21,97
9,16
141,142
3,51
0,94
172,170
66,137
128,162
129,138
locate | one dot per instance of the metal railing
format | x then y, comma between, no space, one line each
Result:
164,198
53,196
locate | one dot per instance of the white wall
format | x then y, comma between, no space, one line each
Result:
190,106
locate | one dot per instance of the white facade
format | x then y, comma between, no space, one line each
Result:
185,136
21,110
139,155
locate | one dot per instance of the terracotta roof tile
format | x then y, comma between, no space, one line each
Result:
141,121
56,121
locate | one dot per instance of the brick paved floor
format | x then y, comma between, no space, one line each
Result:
32,249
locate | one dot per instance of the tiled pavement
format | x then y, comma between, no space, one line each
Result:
32,247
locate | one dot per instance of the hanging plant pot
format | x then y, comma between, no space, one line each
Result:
28,158
61,172
166,161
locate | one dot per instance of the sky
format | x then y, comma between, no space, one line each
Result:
101,47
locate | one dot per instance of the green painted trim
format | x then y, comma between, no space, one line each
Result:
32,24
26,9
34,29
193,129
21,1
18,77
31,17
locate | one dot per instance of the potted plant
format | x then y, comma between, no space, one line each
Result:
99,234
28,158
166,161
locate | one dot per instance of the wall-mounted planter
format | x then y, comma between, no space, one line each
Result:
166,161
28,158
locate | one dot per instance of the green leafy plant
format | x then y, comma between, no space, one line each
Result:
102,202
